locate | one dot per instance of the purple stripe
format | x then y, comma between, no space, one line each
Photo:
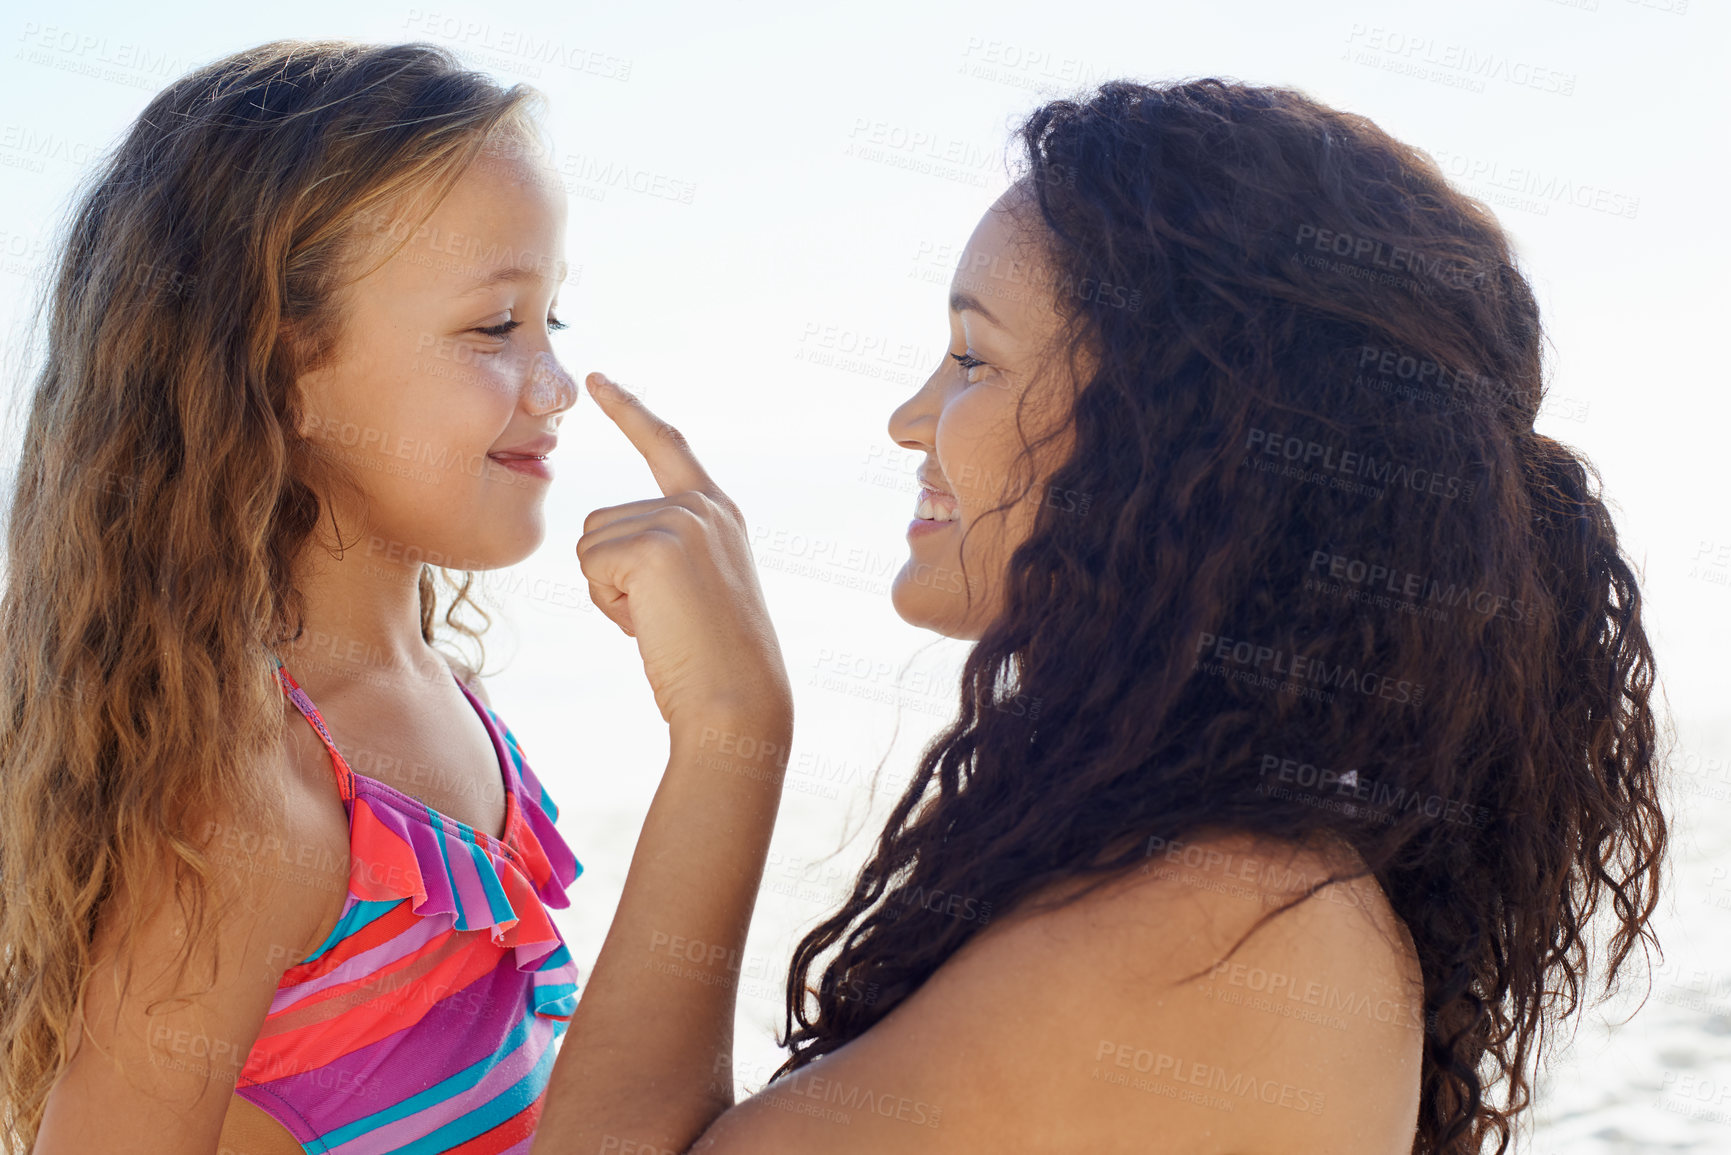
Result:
564,863
450,1037
411,941
425,840
471,896
494,731
506,1073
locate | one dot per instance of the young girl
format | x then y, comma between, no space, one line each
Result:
1307,728
277,876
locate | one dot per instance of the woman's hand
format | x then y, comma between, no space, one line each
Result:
648,1055
676,573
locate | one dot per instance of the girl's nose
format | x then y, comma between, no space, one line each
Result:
550,387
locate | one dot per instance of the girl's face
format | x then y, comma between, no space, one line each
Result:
1002,319
445,368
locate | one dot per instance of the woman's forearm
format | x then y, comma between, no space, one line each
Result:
647,1059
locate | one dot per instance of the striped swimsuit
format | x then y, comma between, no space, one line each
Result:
426,1021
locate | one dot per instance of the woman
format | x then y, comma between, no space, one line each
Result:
1307,724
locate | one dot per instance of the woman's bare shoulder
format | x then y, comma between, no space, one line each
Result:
1128,1011
1177,991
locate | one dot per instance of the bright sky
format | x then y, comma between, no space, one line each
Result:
765,205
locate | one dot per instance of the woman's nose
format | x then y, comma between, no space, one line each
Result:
913,422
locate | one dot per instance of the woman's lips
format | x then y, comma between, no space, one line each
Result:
934,510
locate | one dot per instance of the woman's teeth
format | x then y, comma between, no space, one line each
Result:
943,509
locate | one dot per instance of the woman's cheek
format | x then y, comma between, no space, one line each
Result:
976,441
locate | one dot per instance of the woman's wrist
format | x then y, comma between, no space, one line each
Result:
745,738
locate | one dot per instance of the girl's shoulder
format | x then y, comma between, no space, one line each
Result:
176,998
469,678
296,871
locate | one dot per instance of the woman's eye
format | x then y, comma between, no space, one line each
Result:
968,364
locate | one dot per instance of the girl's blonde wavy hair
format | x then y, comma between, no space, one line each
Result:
163,490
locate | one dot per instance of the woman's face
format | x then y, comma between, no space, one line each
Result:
1002,320
445,366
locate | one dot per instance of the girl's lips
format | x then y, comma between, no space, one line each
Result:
530,466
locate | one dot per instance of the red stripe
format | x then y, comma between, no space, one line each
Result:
507,1134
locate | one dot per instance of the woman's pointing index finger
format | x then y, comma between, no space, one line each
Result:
671,461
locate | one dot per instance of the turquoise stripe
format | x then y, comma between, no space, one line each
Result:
545,801
440,835
564,994
489,1115
358,916
449,1088
558,957
497,901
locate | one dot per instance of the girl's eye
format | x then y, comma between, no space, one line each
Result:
968,364
504,329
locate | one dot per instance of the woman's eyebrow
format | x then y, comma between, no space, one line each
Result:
962,302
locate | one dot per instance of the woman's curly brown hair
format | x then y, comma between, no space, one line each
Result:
1327,580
